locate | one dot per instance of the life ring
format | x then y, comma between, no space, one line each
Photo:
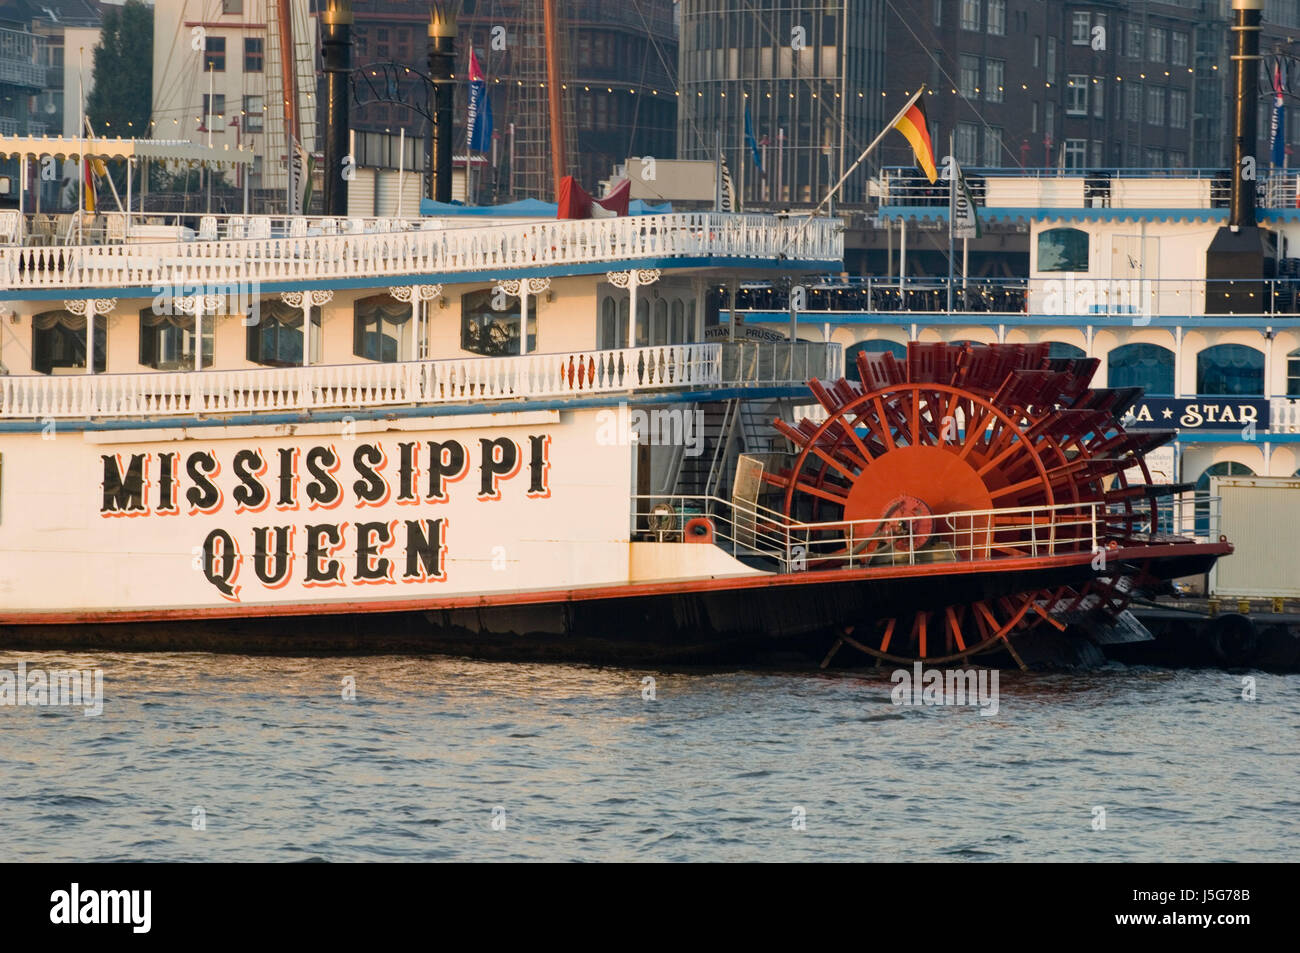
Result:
698,530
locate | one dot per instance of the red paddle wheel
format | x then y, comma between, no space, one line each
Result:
978,454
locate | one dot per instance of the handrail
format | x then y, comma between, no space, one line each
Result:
458,250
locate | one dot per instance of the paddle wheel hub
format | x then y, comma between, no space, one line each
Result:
998,456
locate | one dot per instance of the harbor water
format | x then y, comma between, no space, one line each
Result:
224,757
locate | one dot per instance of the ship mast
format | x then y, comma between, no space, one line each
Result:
288,75
559,154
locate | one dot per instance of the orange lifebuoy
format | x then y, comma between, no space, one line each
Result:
698,530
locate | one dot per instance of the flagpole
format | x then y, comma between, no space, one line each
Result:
869,149
952,209
81,131
862,158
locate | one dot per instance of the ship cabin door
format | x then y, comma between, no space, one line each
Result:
1134,286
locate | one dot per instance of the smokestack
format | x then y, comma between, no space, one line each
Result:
336,56
442,64
1245,132
1242,255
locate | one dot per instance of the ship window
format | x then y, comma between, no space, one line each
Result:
870,347
379,328
613,324
1148,366
167,340
1063,249
486,329
1060,349
276,339
1293,373
1230,370
677,334
59,341
659,333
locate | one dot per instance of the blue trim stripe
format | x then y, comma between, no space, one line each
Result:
904,319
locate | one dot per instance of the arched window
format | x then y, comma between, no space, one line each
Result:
1230,370
1148,366
1060,349
1293,373
870,347
1063,249
609,335
642,322
677,335
659,334
1226,468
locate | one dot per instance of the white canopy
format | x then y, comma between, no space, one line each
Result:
99,147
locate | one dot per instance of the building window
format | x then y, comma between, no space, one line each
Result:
1095,156
1133,102
213,107
1099,97
1155,158
870,347
1076,153
997,17
1081,28
1037,43
968,75
1156,105
1076,95
1178,49
254,54
1157,51
214,54
938,12
1133,41
1050,68
970,15
1063,249
486,330
232,6
1177,160
968,143
59,342
254,113
276,339
167,340
1178,108
992,146
994,74
1230,370
379,328
1148,366
1049,120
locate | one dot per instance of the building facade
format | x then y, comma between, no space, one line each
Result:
217,79
618,65
808,74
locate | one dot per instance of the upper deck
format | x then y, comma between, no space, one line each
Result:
296,254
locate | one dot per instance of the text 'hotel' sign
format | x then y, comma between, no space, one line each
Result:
1199,413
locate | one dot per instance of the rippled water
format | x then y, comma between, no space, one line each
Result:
585,769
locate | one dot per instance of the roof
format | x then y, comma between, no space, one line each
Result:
171,150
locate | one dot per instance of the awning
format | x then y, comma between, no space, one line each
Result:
167,150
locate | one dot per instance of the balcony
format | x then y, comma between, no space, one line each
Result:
418,383
473,247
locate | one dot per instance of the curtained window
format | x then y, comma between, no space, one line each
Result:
1230,370
276,339
1148,366
167,340
486,330
380,329
59,341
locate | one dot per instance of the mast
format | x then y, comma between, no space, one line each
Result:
559,153
288,74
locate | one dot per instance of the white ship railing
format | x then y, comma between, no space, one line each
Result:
323,387
748,529
486,248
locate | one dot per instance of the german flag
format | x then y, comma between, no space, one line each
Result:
913,125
